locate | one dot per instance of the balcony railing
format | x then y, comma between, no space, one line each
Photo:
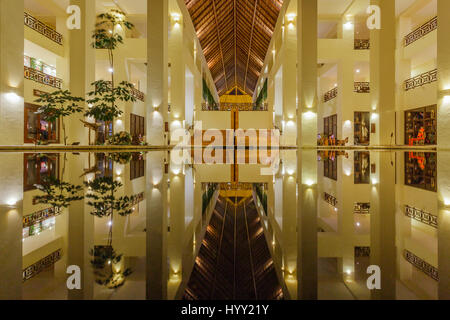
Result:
421,79
362,44
362,87
40,77
330,95
41,265
237,106
138,95
421,216
420,264
42,28
421,31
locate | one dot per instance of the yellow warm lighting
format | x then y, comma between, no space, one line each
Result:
176,17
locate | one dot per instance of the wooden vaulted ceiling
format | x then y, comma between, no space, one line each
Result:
235,37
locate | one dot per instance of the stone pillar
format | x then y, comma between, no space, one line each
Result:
157,72
289,66
382,74
382,223
307,253
11,73
82,68
156,197
307,73
11,211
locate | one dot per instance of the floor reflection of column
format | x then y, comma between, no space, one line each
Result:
176,224
11,195
289,222
80,229
307,225
156,195
382,223
444,225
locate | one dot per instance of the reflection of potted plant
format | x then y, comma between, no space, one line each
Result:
121,157
103,201
109,267
58,194
107,264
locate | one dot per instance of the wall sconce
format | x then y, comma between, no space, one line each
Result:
348,25
176,17
12,97
290,19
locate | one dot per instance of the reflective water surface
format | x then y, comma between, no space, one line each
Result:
325,225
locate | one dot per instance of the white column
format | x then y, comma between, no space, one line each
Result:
307,251
11,72
382,74
157,72
289,67
11,224
82,67
382,224
156,249
307,73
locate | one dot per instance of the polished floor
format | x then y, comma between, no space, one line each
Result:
339,225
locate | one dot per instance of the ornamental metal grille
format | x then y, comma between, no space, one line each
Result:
421,216
330,199
421,31
41,265
420,264
362,87
421,80
330,95
40,77
362,44
40,216
42,28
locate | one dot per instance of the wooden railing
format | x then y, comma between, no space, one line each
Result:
362,87
330,95
422,265
42,28
421,79
40,77
421,31
362,44
237,106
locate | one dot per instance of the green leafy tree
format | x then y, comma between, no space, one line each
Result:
58,105
103,100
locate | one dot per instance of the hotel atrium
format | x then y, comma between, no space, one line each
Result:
224,150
